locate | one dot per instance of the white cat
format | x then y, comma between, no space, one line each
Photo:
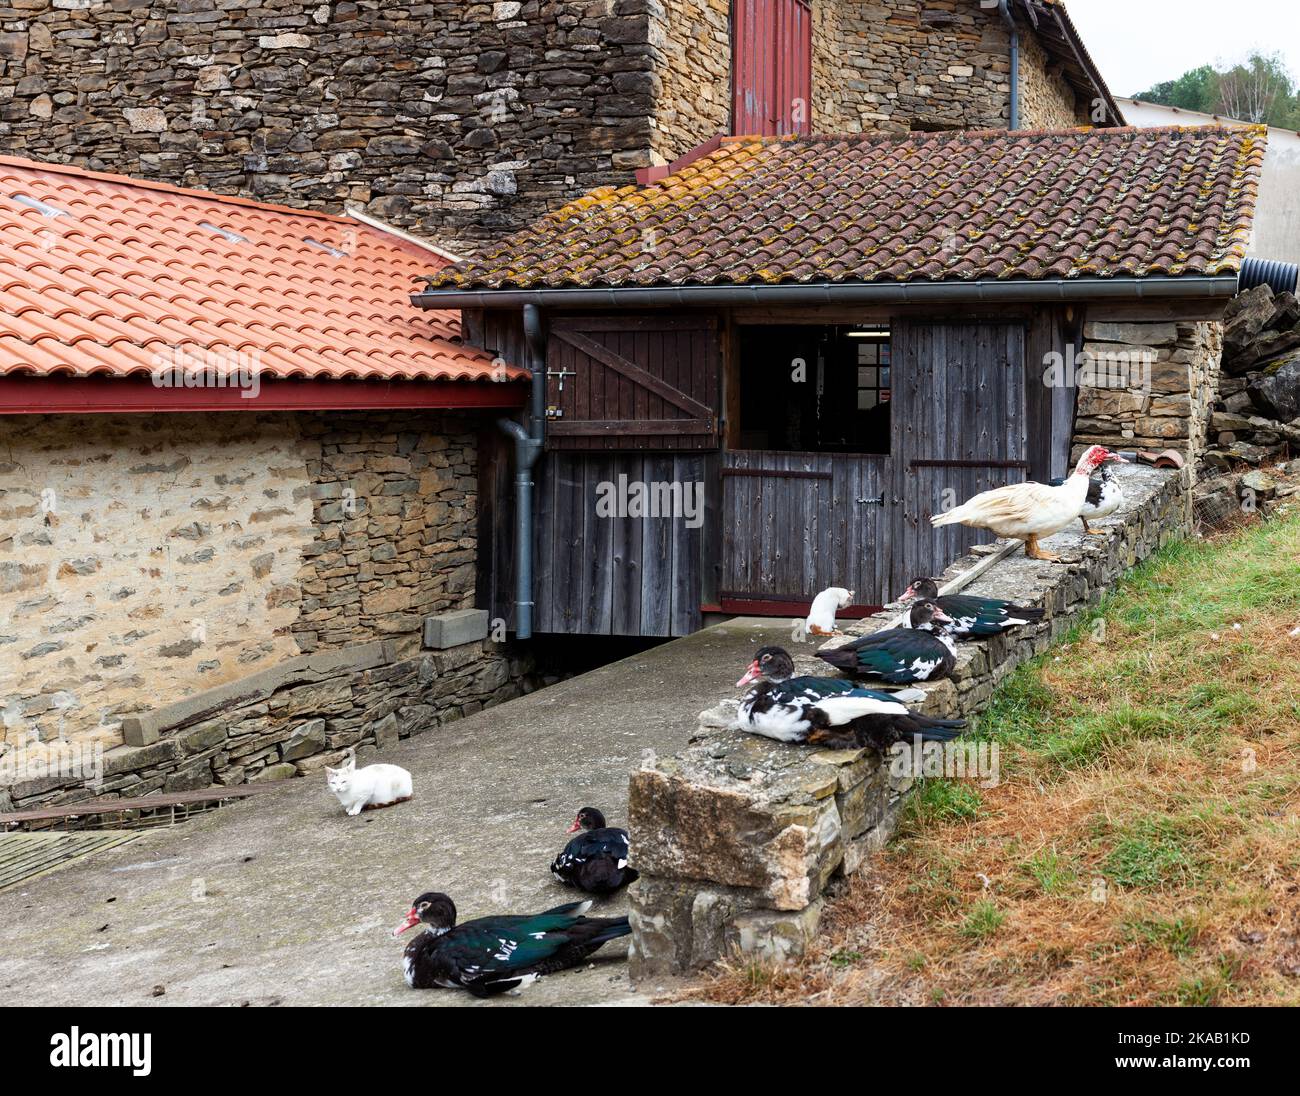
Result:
373,786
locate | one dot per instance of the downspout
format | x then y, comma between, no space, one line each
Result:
528,448
1005,8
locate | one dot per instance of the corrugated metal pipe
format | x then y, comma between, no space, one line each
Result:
528,448
1278,276
1005,8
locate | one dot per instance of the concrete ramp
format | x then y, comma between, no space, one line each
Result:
285,899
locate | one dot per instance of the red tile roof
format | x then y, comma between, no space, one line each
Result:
107,275
922,207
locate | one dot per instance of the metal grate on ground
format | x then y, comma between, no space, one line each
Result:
24,856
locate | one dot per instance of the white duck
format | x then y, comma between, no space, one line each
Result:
1030,511
821,617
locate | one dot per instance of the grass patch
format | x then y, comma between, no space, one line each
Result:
983,920
938,800
1150,853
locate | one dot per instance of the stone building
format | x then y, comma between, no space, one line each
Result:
238,480
464,121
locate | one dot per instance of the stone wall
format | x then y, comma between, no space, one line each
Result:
691,46
458,120
1147,384
1257,416
738,839
150,558
897,65
289,720
1047,101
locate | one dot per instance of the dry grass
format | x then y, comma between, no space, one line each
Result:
1144,845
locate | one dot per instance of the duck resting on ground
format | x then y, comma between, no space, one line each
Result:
821,614
828,711
596,860
1031,511
901,656
492,955
1105,496
973,616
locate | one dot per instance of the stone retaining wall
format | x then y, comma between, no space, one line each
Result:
737,837
290,720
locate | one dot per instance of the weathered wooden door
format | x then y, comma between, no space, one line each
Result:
632,382
796,523
959,428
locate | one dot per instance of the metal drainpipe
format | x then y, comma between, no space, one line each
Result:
528,448
1009,19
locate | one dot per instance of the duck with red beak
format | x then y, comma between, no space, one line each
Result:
596,860
492,955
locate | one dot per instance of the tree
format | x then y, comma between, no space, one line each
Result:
1194,90
1259,89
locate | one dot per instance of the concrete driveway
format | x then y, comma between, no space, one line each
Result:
282,899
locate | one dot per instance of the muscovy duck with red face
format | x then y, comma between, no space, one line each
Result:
828,711
492,955
901,656
974,616
596,860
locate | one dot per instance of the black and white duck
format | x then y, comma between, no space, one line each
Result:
828,711
492,955
596,860
973,616
901,656
1105,496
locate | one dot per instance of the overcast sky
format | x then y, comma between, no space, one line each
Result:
1137,43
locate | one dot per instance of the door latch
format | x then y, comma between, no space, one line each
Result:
879,500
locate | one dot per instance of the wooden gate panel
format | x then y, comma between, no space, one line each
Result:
643,382
960,402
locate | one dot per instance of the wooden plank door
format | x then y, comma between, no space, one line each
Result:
632,382
796,523
960,428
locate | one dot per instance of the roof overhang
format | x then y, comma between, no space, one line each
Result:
64,395
1058,35
1219,287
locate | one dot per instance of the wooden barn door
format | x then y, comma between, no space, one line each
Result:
960,428
796,523
624,491
632,383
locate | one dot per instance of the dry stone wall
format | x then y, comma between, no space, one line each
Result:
458,120
738,838
897,65
461,121
149,559
1147,385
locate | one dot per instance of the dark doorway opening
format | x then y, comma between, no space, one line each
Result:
816,389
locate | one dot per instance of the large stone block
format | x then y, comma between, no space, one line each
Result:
697,816
455,628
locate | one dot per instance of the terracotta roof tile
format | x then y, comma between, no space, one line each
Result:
919,207
127,275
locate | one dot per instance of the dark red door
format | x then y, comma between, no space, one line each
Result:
771,67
